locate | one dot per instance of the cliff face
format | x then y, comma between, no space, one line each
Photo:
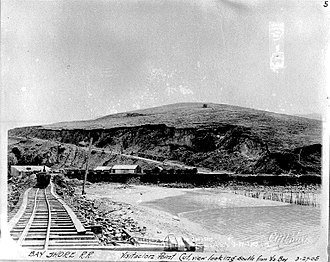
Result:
216,146
32,151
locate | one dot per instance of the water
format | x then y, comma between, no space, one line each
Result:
272,228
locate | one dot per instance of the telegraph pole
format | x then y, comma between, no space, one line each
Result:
87,165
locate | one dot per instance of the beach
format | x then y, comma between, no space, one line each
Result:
163,210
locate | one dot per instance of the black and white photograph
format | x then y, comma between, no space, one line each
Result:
165,130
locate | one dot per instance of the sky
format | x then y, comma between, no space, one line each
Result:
77,60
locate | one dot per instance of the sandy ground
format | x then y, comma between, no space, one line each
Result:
159,223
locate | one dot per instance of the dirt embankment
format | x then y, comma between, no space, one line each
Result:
16,188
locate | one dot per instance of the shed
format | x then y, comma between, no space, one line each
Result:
126,169
103,168
27,170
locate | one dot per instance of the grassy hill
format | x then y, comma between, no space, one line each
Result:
279,130
216,136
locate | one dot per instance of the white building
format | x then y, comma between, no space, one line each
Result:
27,170
126,169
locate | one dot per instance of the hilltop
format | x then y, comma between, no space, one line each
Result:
216,136
279,130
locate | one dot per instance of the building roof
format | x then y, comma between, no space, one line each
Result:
124,166
30,168
103,168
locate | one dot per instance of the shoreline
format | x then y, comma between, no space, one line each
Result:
159,222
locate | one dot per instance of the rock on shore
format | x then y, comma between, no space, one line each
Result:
110,223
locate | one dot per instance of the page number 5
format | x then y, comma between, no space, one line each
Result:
326,3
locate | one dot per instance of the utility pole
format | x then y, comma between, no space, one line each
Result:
87,165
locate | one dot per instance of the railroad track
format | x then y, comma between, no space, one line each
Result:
46,222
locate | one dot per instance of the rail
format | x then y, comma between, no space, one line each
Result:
13,221
49,221
28,225
78,225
